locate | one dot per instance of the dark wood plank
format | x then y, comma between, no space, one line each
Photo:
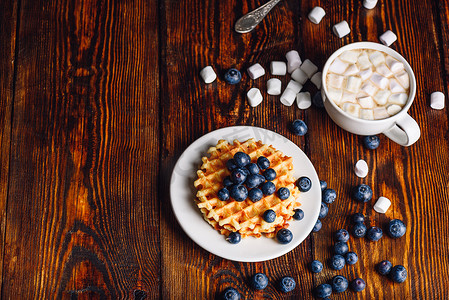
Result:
83,209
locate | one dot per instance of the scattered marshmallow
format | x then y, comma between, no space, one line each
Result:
366,102
394,65
367,114
400,99
395,87
303,100
208,74
364,62
388,38
309,68
278,68
316,79
365,74
351,70
383,70
377,58
404,79
338,66
352,109
341,29
256,71
369,4
361,168
316,15
254,97
393,109
382,205
293,60
288,97
380,113
353,84
349,56
369,88
299,76
379,80
294,86
274,86
335,80
437,100
381,97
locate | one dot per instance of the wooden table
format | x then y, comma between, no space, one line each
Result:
100,98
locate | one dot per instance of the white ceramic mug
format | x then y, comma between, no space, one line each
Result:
401,127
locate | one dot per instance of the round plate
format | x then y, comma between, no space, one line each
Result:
250,249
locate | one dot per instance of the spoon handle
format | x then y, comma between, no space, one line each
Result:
249,21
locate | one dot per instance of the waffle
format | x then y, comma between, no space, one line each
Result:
246,217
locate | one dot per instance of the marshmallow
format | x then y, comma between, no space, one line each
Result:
379,80
395,87
369,88
303,100
381,97
382,205
293,60
366,102
383,70
399,99
254,97
352,109
294,86
393,109
437,100
380,113
349,56
377,58
404,79
348,97
361,168
353,84
364,62
278,68
335,80
208,74
274,86
256,71
334,94
316,15
299,76
309,68
338,66
369,4
341,29
394,65
367,114
388,38
316,79
288,97
365,74
351,70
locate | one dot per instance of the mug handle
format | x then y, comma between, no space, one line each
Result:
405,131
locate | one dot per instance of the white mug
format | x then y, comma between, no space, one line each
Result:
400,128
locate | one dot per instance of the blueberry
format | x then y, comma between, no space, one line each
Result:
255,194
231,165
263,162
317,100
252,181
261,178
284,236
362,193
396,228
227,182
398,274
230,294
371,142
238,176
283,193
351,258
357,285
358,218
259,281
317,226
337,262
286,284
339,284
323,210
233,76
384,267
223,194
268,188
253,168
298,215
341,235
304,184
298,127
341,248
328,196
269,216
316,266
323,290
269,174
374,234
245,171
323,185
239,192
234,238
241,159
358,230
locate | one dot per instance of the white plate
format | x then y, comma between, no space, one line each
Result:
250,249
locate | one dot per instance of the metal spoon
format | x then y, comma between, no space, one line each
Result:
249,21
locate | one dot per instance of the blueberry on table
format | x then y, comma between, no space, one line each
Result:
317,100
269,216
284,236
298,215
304,184
358,230
398,274
396,228
384,267
233,76
323,210
298,127
328,196
362,193
253,168
286,284
269,174
241,159
323,185
230,294
371,142
223,194
357,285
316,266
374,234
255,194
339,284
351,258
252,181
259,281
341,248
234,238
341,235
283,193
227,182
268,188
358,218
317,226
238,192
337,262
263,162
238,176
323,290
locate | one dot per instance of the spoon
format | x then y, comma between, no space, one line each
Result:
249,21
